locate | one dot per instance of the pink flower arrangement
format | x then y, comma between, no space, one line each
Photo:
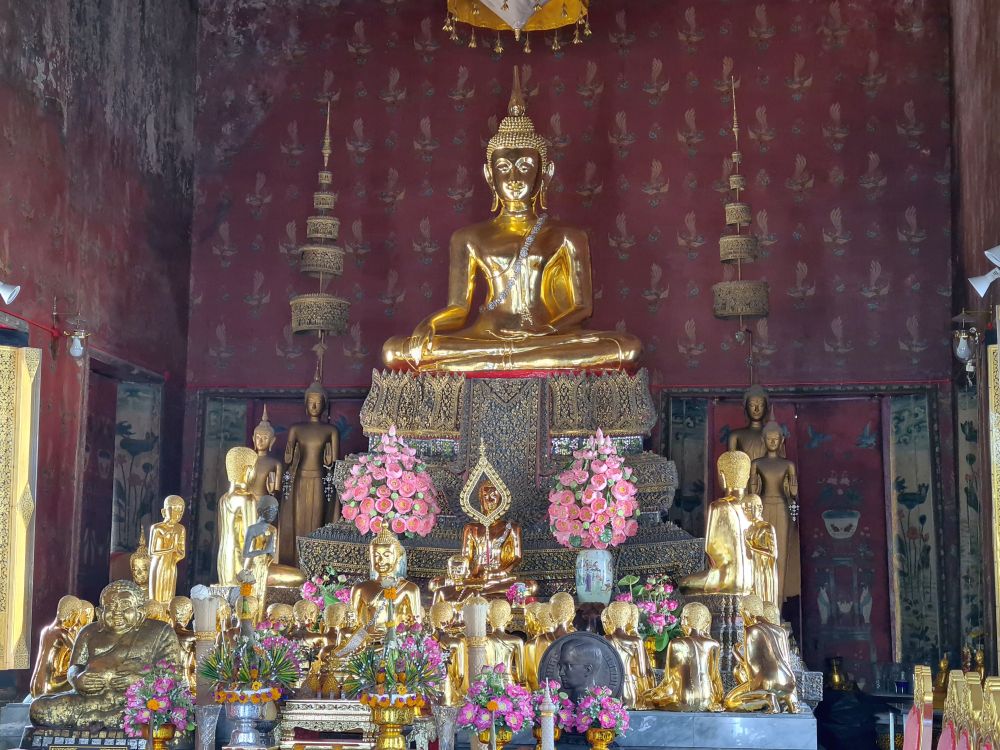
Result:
160,697
656,599
494,702
517,594
599,710
593,500
565,711
390,487
323,590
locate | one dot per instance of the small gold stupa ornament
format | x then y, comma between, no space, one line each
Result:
321,258
738,298
519,17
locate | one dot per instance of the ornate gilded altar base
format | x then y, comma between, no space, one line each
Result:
345,724
529,423
727,629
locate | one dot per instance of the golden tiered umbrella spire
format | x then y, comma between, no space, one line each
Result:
519,17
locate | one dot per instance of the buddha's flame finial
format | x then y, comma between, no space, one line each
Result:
516,108
327,150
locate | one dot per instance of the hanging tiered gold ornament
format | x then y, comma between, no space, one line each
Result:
739,298
520,18
320,312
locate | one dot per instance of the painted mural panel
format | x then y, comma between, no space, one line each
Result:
969,503
687,446
137,464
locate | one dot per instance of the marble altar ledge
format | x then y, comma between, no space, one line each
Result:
722,731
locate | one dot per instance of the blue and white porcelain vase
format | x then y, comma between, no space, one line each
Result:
595,575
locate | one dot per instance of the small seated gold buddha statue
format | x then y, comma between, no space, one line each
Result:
638,675
453,643
764,677
385,601
536,272
691,680
503,647
494,553
454,587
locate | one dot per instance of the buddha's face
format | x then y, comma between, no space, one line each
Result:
756,407
384,559
267,513
458,568
181,613
263,440
122,612
140,570
772,440
489,498
315,403
515,173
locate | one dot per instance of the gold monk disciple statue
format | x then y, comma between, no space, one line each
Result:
310,452
691,677
493,550
730,563
386,599
774,479
542,624
55,645
166,550
237,513
454,645
750,439
763,546
267,469
638,676
108,656
181,611
536,272
763,674
563,613
503,647
259,549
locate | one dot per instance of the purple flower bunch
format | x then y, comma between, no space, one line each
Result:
417,646
327,588
656,598
495,702
159,697
565,711
597,708
517,594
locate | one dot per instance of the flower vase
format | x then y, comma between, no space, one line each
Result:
501,737
244,716
389,722
595,575
657,659
157,739
445,718
206,719
537,733
599,739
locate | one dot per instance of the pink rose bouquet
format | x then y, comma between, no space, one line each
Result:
160,697
565,711
323,590
599,710
517,594
391,487
593,500
492,702
656,598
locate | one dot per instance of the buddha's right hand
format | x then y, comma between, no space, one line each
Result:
89,682
422,340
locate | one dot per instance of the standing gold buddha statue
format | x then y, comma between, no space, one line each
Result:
503,647
536,272
237,512
764,677
166,549
385,601
730,564
762,544
691,680
774,479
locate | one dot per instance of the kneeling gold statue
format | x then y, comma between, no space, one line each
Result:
536,273
691,677
108,656
764,677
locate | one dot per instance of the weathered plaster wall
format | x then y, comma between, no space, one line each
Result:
96,143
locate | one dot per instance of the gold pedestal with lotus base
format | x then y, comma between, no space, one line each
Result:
158,738
502,736
599,739
389,722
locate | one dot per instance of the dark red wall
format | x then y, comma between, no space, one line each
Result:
412,110
95,204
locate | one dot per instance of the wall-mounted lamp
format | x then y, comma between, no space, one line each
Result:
76,330
965,340
8,292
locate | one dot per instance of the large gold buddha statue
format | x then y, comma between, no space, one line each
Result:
108,656
536,272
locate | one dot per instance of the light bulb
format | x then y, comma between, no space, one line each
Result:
76,346
963,344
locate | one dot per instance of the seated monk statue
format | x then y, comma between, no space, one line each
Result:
108,656
691,677
493,554
455,587
730,562
55,645
764,677
535,270
385,601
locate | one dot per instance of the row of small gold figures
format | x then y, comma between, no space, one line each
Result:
971,709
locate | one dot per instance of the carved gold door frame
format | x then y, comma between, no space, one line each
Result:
19,394
993,416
